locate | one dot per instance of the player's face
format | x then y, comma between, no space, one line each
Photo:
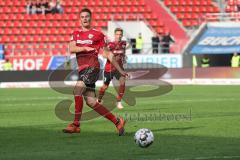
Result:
85,19
118,36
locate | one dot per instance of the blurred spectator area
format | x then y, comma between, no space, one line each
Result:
44,6
232,6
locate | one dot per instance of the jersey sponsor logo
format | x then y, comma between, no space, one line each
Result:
87,41
118,51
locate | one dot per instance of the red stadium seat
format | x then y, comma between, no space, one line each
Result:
23,31
10,23
186,23
160,30
2,31
8,31
118,17
16,31
5,39
6,10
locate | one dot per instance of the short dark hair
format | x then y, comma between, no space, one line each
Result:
118,29
86,10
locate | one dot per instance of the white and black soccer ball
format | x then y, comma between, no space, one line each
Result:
144,137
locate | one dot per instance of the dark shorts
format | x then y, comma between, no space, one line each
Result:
89,76
108,76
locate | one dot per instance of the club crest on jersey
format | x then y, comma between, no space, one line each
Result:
90,36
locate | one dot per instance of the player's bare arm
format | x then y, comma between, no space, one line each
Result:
109,55
76,49
128,45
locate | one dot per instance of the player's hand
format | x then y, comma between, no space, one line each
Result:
123,73
89,49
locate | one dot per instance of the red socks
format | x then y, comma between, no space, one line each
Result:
105,112
121,91
78,109
98,108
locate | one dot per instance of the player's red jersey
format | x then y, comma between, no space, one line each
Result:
91,38
118,49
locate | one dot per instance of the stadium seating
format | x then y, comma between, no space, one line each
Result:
19,28
190,12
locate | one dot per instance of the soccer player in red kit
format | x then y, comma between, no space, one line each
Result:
118,48
86,44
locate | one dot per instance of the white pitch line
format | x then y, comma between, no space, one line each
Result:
203,158
200,100
9,100
32,98
26,104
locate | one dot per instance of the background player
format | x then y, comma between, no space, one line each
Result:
118,48
86,43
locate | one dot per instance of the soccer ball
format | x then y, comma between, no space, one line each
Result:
144,137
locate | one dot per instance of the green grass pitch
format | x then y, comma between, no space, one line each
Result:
191,122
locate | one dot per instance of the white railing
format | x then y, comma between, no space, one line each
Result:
29,50
32,50
221,17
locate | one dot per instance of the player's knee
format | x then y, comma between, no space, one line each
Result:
76,92
79,88
122,83
91,102
105,86
106,83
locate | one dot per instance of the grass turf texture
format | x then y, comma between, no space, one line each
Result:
29,128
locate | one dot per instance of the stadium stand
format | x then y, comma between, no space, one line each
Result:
53,30
189,12
171,24
20,32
